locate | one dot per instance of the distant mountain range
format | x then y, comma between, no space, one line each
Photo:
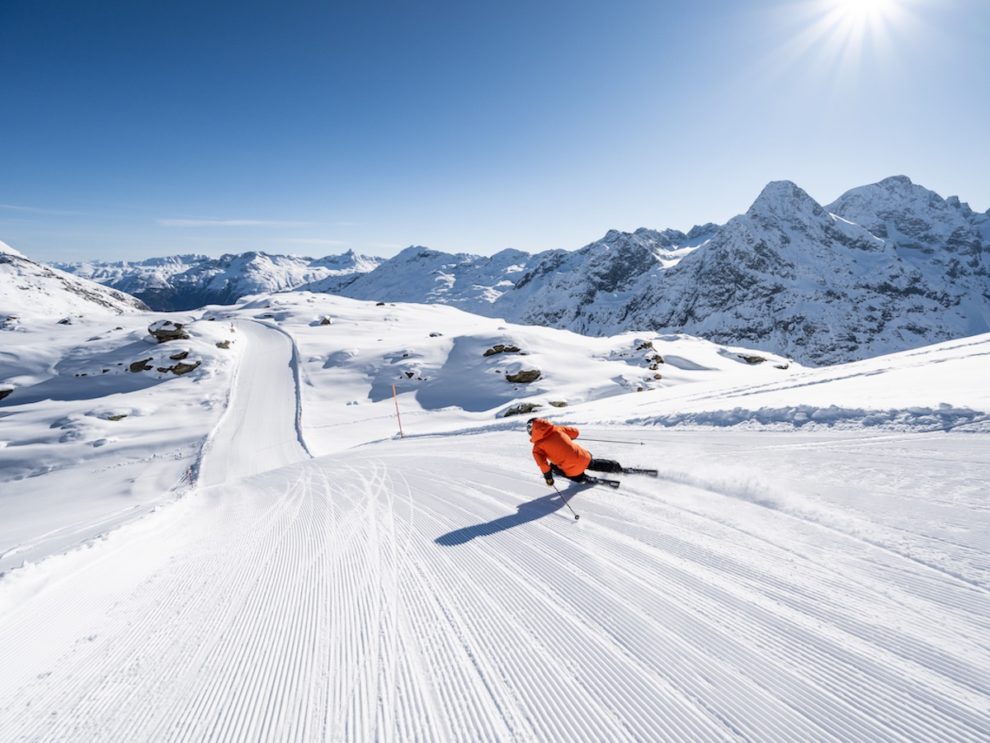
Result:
185,282
886,267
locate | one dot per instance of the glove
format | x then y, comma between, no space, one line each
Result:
548,476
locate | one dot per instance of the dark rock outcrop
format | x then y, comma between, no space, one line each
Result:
141,365
521,409
166,330
184,368
523,377
501,348
752,360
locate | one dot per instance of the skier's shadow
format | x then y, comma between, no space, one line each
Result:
525,512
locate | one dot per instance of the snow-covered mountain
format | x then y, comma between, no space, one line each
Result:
184,282
500,285
943,239
814,284
886,267
418,274
28,286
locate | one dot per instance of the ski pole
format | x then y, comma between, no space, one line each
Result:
576,514
613,441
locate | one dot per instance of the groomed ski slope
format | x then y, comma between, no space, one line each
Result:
433,588
260,428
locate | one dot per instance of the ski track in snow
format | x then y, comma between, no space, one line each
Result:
415,591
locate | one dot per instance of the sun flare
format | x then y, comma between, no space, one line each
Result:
864,12
843,36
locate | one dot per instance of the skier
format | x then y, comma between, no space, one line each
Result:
556,453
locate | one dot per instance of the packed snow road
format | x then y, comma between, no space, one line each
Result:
260,429
765,587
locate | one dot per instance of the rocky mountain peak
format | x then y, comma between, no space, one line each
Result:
897,195
900,183
916,221
703,231
785,201
415,252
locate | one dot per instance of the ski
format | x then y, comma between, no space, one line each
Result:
639,471
601,481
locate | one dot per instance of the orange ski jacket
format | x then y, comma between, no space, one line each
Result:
554,445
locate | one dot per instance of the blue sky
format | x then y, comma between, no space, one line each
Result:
132,129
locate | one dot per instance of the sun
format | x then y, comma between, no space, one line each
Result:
863,12
854,28
837,41
845,35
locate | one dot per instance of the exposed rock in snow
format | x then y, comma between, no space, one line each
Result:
523,376
141,365
167,330
184,368
501,348
521,409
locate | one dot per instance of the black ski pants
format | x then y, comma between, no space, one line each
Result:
604,465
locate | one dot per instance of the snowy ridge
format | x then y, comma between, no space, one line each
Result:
29,288
5,248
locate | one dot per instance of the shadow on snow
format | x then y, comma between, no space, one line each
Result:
525,513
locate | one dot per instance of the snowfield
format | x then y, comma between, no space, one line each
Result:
812,563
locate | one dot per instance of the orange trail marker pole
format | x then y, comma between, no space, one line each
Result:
399,417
